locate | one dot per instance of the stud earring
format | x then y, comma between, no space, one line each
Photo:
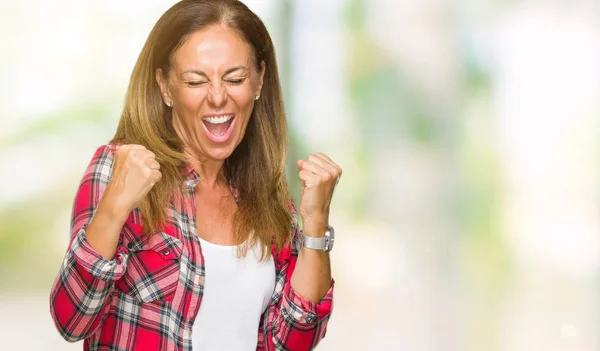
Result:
169,103
257,97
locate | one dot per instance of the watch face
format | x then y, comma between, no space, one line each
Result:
330,238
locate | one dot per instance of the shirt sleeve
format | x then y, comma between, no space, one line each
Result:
80,295
301,323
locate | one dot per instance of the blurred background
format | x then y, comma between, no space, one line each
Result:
468,214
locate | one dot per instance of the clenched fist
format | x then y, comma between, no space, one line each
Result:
319,176
135,171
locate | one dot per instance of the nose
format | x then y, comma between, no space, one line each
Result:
217,95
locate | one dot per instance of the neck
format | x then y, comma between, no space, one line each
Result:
211,172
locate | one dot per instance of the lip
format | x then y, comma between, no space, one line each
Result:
223,138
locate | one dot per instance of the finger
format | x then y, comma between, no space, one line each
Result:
308,178
126,147
330,161
141,156
312,167
299,164
130,151
324,164
321,173
153,164
156,176
147,154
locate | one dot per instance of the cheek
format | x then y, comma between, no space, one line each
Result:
189,98
244,98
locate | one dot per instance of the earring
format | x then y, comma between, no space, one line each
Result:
169,103
257,97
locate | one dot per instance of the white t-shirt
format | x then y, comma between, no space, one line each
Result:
236,293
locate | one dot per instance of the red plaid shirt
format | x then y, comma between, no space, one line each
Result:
147,297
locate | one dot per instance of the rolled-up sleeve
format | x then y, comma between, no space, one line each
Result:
298,310
93,263
300,324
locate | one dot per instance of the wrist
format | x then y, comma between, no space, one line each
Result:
315,228
112,209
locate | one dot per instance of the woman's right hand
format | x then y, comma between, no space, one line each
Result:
135,171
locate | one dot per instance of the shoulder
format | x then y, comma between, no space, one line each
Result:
100,166
105,152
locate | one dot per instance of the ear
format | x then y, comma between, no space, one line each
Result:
261,76
164,86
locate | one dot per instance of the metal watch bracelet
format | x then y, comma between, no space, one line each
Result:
323,244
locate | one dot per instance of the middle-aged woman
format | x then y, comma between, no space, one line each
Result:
183,233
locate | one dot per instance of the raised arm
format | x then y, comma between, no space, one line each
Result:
113,184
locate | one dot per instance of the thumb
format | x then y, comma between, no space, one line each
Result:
299,164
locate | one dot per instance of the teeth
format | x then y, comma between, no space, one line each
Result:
218,120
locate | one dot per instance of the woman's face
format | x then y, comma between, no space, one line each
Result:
212,86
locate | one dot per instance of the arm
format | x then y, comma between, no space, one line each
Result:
308,296
79,296
112,186
319,176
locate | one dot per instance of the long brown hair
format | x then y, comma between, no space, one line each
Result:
256,167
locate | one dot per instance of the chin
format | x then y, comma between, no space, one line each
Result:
217,152
220,154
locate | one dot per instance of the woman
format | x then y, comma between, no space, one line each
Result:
183,234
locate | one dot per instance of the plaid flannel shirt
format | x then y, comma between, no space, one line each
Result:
147,296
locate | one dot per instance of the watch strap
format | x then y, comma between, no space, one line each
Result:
323,244
314,243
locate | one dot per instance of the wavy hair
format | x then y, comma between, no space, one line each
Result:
256,168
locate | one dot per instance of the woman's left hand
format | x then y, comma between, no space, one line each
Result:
319,176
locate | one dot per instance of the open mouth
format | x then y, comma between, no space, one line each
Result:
218,127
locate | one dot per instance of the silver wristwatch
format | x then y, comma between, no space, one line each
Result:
323,244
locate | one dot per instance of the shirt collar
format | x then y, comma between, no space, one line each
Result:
191,176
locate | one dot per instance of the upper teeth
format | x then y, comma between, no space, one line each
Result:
218,119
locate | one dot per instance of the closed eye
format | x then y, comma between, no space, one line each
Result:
195,83
235,81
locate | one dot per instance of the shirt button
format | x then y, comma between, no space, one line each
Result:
166,252
130,246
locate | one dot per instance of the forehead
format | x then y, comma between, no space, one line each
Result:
215,48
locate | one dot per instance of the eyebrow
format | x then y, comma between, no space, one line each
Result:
231,70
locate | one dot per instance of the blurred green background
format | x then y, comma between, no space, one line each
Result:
468,214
